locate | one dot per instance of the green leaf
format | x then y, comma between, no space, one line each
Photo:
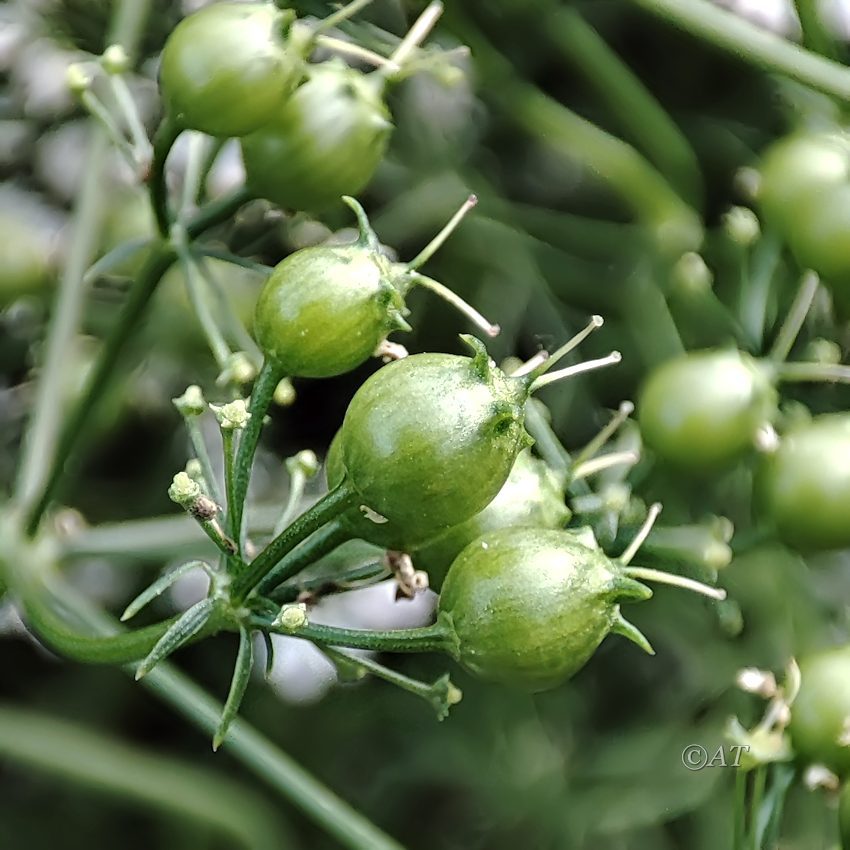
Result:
159,587
238,685
184,628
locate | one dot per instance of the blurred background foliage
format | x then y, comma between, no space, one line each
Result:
594,764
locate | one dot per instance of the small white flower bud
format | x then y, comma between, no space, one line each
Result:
115,60
184,491
292,617
232,416
191,403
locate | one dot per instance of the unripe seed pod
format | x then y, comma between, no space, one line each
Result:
820,714
326,141
532,497
326,309
228,68
804,485
705,408
428,441
529,607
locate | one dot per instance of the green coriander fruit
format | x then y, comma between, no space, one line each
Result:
326,309
229,68
799,167
326,141
820,715
532,497
804,486
703,409
429,440
529,607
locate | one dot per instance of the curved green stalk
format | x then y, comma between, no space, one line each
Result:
262,757
439,637
637,111
261,397
127,27
158,261
121,648
323,542
164,139
752,44
256,752
330,506
618,164
81,755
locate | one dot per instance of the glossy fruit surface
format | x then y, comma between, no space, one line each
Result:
533,496
805,484
820,713
530,606
820,239
797,167
429,440
325,309
704,408
227,69
326,141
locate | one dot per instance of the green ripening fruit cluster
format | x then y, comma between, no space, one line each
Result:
533,496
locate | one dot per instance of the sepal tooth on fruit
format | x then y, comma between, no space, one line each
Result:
627,588
628,630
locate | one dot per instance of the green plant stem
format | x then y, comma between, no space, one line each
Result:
158,261
618,164
245,744
198,294
199,447
793,323
48,412
816,36
163,140
154,539
261,397
439,637
127,27
76,753
759,781
739,823
637,111
653,330
96,108
323,542
330,506
327,584
756,287
228,443
121,648
440,695
752,44
268,762
838,373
